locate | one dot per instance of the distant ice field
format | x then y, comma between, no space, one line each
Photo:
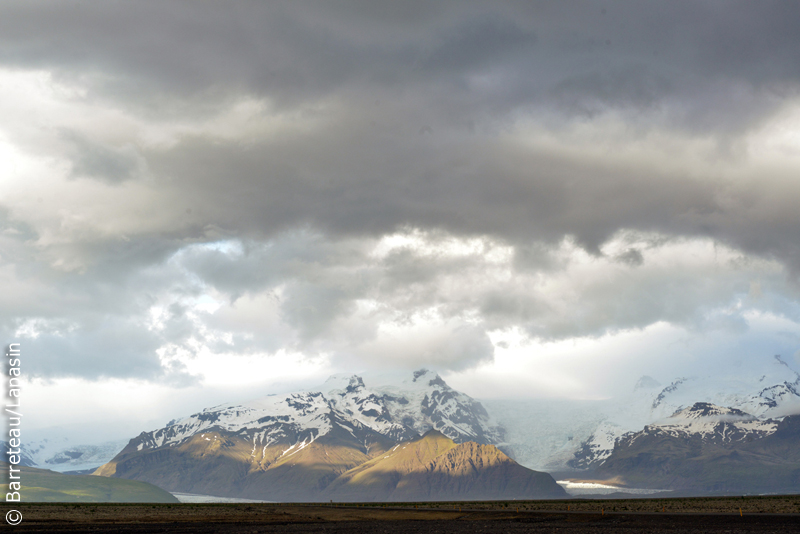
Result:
194,498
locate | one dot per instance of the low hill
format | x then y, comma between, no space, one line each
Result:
433,468
41,485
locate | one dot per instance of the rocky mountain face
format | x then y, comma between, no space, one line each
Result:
709,448
303,446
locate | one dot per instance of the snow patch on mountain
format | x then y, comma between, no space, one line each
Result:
398,411
270,419
598,447
713,423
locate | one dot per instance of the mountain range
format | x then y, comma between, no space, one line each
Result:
726,426
419,440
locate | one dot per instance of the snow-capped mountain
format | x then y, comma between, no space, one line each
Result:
764,389
295,447
598,447
398,412
702,421
299,443
705,448
710,424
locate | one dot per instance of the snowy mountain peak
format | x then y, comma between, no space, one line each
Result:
355,384
342,384
710,411
710,423
399,410
764,387
703,421
424,376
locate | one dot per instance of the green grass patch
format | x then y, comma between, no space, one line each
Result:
40,485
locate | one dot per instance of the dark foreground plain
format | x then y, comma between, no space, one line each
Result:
721,514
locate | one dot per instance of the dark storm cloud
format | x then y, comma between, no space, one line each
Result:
471,185
445,69
475,45
624,53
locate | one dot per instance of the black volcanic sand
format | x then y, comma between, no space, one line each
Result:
758,514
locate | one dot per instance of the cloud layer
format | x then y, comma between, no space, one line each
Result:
399,185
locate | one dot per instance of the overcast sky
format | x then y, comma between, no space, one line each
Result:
204,201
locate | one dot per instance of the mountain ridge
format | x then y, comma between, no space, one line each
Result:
302,446
709,448
770,389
